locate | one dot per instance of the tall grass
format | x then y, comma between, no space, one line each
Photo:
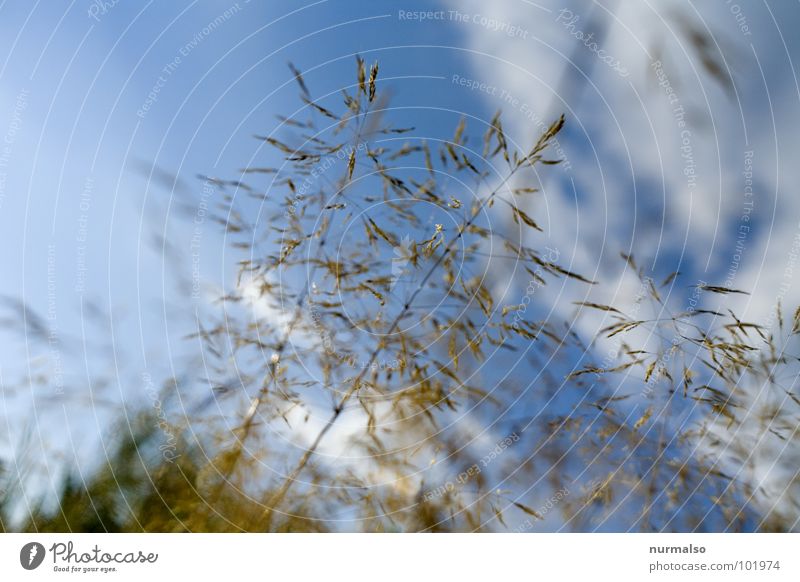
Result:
378,384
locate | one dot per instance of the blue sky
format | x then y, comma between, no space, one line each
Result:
100,105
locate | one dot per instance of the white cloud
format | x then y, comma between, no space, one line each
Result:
631,160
